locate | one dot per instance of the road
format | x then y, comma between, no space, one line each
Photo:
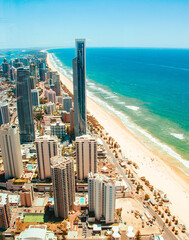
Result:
167,234
116,163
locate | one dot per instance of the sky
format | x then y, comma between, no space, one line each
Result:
103,23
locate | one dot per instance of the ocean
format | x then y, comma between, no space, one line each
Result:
148,89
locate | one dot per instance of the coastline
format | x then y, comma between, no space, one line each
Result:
158,171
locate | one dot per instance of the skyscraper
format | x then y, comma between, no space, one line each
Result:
5,66
101,197
67,103
86,156
63,179
46,147
11,151
35,97
4,113
79,84
24,106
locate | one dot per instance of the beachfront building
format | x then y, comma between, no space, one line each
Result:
35,97
67,104
63,179
57,86
24,106
58,129
46,147
86,156
101,197
50,108
11,151
4,113
79,83
38,232
51,96
42,71
5,214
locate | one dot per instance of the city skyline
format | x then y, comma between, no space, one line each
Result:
116,24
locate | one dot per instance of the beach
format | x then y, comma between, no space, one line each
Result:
156,169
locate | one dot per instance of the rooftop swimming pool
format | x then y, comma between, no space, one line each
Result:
82,200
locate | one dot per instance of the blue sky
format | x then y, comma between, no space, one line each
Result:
118,23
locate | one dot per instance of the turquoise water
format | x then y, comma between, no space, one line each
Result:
148,89
82,200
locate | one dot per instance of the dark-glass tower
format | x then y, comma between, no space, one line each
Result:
24,106
79,84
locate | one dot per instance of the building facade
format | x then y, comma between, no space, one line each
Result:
50,108
51,96
101,197
46,147
5,214
67,104
24,106
86,156
63,179
58,129
11,151
4,113
35,97
79,83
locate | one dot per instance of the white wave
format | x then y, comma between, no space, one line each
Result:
111,97
134,108
178,135
126,121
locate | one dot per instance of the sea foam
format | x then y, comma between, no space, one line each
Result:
178,135
134,108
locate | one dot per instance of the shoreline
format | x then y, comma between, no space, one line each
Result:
171,180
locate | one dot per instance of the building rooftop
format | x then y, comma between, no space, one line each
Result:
36,232
3,199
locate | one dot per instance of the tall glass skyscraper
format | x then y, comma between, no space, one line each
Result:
79,84
24,106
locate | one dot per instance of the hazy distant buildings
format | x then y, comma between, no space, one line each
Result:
58,129
4,113
33,71
5,214
24,106
63,179
46,147
86,156
35,97
5,66
12,73
42,71
101,197
67,104
11,151
79,83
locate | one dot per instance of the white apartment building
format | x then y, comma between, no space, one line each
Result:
46,147
101,197
63,179
51,96
86,156
11,151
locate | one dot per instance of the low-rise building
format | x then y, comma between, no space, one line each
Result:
5,214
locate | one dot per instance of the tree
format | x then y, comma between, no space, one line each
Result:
138,236
146,197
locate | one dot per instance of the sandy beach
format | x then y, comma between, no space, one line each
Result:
157,170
